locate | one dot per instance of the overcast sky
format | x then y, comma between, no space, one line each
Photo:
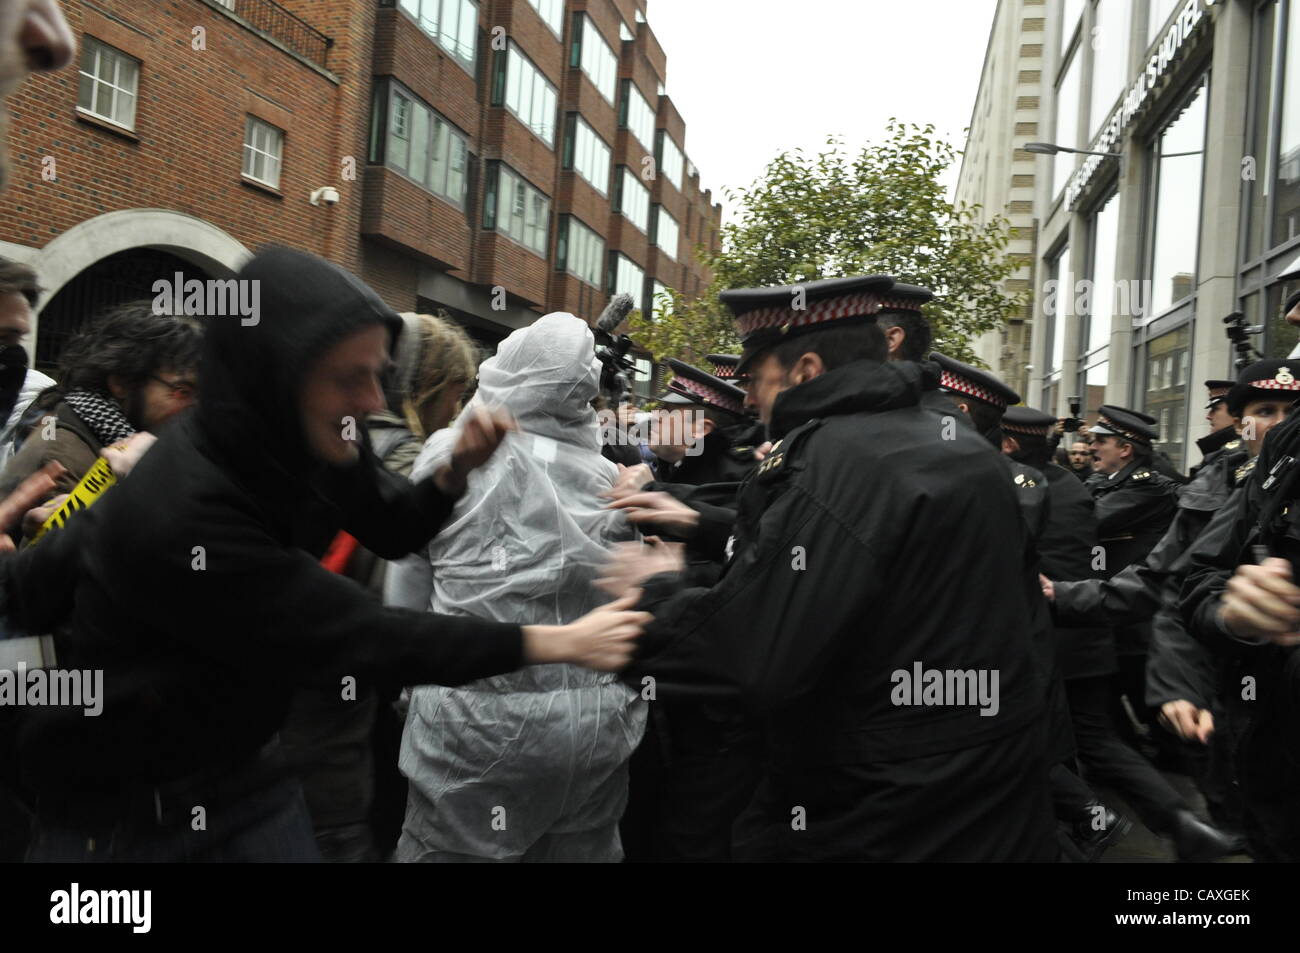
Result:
753,78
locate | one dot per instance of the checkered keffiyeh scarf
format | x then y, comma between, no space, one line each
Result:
101,414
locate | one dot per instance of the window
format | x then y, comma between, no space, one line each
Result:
551,12
109,80
669,159
228,4
425,147
587,153
633,200
626,277
515,208
1094,386
1286,198
453,24
263,149
592,53
521,88
661,299
580,251
635,114
1055,309
1072,10
1178,157
1101,300
1158,13
1067,121
1110,71
1165,396
625,32
666,232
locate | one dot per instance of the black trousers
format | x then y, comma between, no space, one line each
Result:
1106,759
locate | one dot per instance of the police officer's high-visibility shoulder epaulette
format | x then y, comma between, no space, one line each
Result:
785,453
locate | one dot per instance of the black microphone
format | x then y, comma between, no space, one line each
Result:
615,313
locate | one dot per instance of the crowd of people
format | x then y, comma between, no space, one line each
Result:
357,593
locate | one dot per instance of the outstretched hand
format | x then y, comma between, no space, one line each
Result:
481,434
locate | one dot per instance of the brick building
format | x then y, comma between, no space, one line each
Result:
496,159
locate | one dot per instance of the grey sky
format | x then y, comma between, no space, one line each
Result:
755,77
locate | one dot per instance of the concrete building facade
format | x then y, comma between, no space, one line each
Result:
1189,213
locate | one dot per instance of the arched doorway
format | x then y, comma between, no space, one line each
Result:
119,278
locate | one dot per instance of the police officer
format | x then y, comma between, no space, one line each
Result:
692,433
1065,549
868,619
1223,426
1135,505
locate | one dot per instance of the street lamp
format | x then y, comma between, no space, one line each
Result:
1051,149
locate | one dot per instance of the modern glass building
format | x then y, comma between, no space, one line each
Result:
1189,213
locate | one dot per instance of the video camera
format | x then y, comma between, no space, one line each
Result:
1073,423
1239,334
612,350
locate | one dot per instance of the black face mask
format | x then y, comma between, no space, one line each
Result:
13,372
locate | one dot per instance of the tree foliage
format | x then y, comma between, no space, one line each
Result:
834,214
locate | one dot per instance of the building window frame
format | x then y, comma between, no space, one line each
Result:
95,80
431,25
273,136
383,136
501,89
1256,288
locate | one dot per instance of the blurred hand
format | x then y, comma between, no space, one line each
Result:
630,480
631,564
479,438
28,494
1262,604
35,518
125,454
660,509
762,450
1049,590
603,639
1187,721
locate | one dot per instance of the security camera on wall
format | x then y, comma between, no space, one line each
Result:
328,194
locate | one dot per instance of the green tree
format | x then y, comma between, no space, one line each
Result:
831,215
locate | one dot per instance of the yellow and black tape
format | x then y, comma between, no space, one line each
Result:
89,489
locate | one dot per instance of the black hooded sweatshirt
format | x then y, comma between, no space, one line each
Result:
198,586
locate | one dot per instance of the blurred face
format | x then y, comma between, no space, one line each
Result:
767,379
340,390
33,37
163,396
440,413
1219,417
675,430
1110,454
1080,455
1258,418
15,317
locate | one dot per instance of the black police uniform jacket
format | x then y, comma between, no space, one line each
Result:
862,554
1148,590
1065,551
1260,682
1134,507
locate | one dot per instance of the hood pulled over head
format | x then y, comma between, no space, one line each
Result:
253,368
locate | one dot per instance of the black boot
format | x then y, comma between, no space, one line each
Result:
1098,829
1194,840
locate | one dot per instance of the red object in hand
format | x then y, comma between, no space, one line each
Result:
339,554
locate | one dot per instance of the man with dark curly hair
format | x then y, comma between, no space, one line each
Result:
132,372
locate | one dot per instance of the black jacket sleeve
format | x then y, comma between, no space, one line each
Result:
388,514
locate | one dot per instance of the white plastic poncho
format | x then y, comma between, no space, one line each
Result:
531,765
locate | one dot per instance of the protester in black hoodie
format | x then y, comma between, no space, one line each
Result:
199,594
